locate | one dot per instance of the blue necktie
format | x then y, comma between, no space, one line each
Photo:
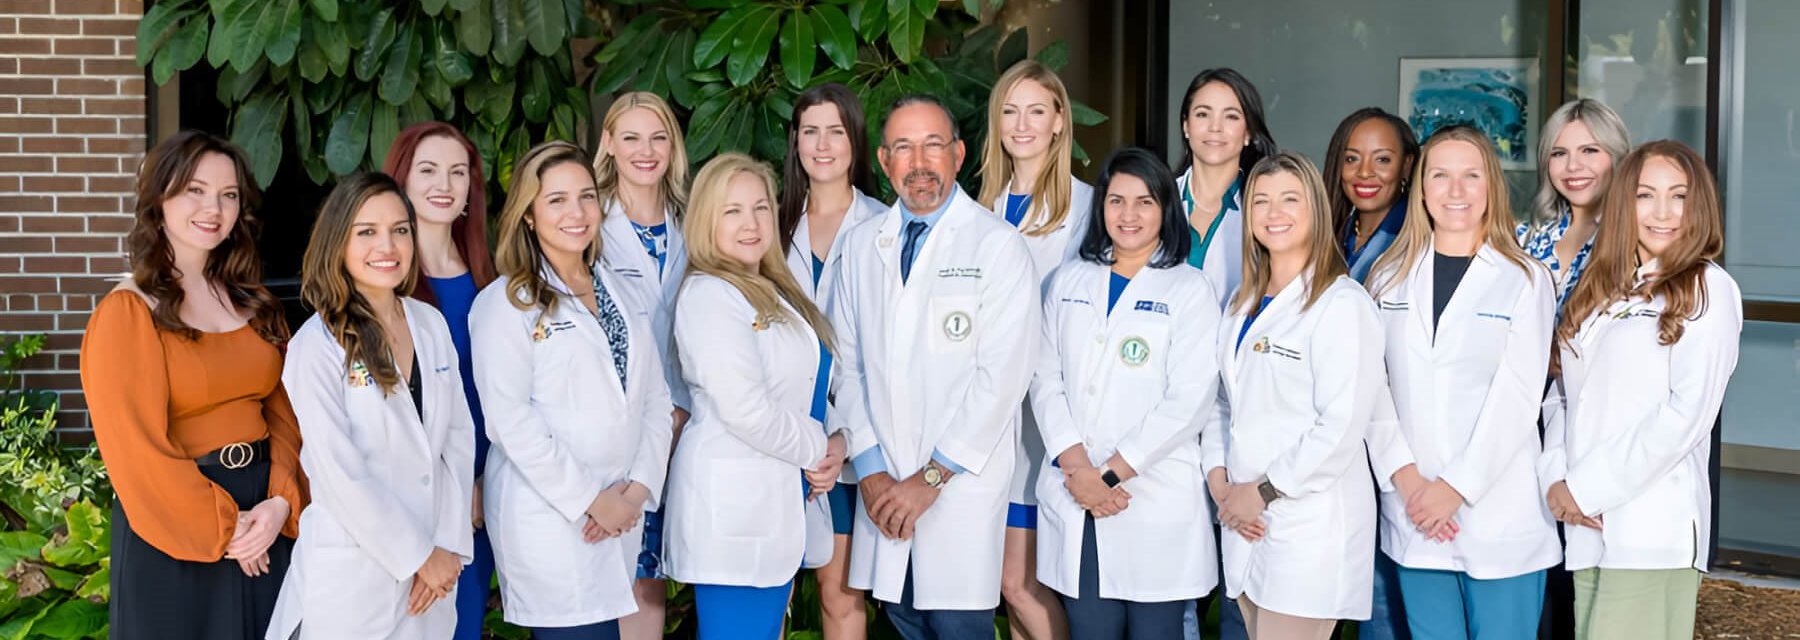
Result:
910,248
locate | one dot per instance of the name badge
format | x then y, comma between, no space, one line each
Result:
1151,306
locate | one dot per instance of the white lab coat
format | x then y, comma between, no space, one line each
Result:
1048,252
1465,407
820,541
1294,408
564,429
939,363
1224,262
1137,382
387,488
637,272
735,487
1628,426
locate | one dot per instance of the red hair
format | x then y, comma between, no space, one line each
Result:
468,232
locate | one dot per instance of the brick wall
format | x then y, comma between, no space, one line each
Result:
72,130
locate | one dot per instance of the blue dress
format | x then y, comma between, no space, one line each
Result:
454,297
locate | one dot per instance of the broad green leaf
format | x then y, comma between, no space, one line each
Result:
545,25
510,37
716,41
349,137
906,30
770,133
798,52
980,42
63,579
1085,116
302,119
1055,56
18,625
614,74
707,126
835,35
218,54
256,127
1079,154
535,96
182,50
416,110
334,41
515,147
869,18
258,28
311,59
676,66
435,89
432,7
237,36
400,75
159,24
327,9
973,8
235,86
627,38
384,126
475,28
451,62
738,134
286,35
562,123
491,101
87,539
375,43
1012,50
77,618
321,96
19,544
651,77
750,45
706,76
96,586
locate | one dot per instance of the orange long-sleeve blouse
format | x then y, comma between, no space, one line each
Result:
158,401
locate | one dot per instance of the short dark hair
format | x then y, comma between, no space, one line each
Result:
1174,238
919,98
1262,143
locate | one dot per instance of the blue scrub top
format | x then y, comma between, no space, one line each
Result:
454,297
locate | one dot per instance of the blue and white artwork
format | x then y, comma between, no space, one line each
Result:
1495,95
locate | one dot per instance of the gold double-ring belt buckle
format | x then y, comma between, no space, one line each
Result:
237,455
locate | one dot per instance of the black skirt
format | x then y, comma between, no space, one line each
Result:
156,597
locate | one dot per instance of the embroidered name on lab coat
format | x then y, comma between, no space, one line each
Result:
1152,307
629,272
1076,301
1395,306
960,272
1265,346
441,369
1493,316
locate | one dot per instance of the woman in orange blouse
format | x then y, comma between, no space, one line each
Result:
181,367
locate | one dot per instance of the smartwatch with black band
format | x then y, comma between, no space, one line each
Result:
1268,492
1111,478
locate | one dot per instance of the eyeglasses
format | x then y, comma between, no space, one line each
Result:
933,149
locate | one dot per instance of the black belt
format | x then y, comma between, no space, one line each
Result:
236,455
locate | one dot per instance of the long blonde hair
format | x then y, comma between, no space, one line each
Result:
326,284
674,180
1324,259
517,254
1681,279
771,283
1608,129
1050,192
1415,237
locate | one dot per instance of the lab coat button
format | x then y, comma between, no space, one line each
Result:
425,480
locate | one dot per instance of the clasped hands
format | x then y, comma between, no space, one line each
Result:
614,511
256,531
896,505
1086,484
1563,508
1240,504
824,475
433,581
1430,504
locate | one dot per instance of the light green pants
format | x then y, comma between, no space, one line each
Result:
1633,604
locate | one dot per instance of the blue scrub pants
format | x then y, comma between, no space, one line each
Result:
937,624
1387,613
1231,619
1451,605
1092,617
472,590
741,613
608,630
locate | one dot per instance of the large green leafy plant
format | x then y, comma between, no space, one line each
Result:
737,65
338,79
54,529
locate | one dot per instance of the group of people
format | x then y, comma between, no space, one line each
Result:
1361,394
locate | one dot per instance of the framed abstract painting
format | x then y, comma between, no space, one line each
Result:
1496,95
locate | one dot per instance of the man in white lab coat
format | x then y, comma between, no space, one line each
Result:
936,312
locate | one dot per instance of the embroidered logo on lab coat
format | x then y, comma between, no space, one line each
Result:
359,375
958,326
544,329
1134,351
1152,306
1261,345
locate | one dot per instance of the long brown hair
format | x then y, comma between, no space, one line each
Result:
796,186
233,265
326,284
1051,190
675,178
1415,237
518,253
1325,261
468,232
1681,270
771,283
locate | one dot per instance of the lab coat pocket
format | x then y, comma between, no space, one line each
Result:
1141,349
1662,517
953,324
366,407
358,594
743,495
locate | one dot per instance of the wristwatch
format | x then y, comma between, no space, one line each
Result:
935,476
1268,492
1111,478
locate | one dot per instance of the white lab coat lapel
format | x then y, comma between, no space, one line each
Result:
1223,264
800,257
570,309
1283,305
